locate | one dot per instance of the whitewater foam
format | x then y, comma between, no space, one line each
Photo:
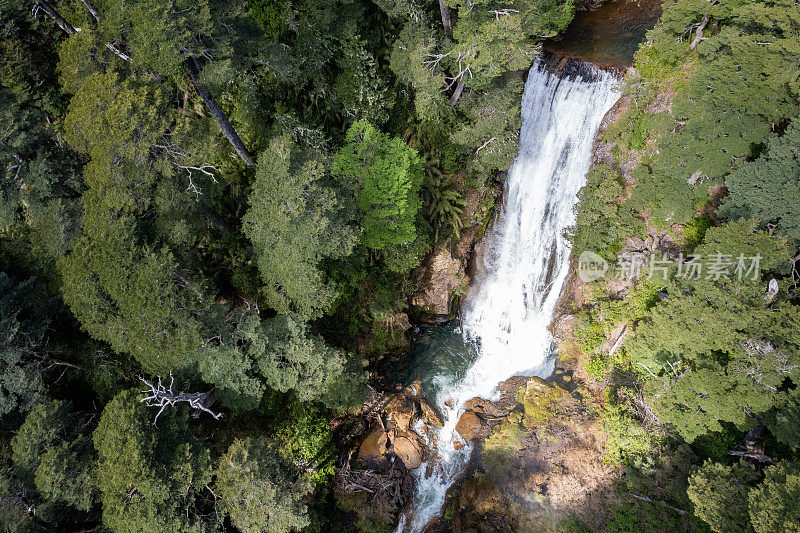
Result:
511,303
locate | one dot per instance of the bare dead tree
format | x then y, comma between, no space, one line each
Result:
92,10
650,500
460,76
181,161
163,397
69,29
484,145
433,63
760,457
204,169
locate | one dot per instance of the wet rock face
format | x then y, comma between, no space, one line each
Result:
430,414
439,277
446,270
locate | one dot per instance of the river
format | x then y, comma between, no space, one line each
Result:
506,314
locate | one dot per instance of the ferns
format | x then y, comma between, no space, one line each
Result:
444,203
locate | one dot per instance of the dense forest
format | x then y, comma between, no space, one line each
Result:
211,214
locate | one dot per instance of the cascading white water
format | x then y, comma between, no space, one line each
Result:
509,308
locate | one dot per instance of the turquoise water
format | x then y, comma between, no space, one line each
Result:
439,359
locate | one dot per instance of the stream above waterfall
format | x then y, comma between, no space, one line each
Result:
504,323
609,35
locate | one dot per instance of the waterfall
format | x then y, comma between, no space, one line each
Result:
510,306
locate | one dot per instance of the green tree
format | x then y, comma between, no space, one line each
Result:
42,427
23,325
492,37
47,452
784,421
65,475
282,354
258,492
130,296
111,116
230,364
296,360
385,177
769,187
719,494
361,86
601,223
719,348
739,87
773,503
149,478
490,125
294,222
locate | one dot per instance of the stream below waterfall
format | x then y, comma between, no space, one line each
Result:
504,325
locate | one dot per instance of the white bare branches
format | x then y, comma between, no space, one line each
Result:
205,169
463,70
502,12
162,397
487,143
433,63
180,159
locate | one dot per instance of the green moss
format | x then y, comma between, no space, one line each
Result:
589,334
695,230
597,366
540,402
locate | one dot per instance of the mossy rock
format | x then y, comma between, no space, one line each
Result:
540,401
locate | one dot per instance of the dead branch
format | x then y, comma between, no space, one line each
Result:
699,32
484,145
379,484
649,500
502,12
760,457
433,63
162,397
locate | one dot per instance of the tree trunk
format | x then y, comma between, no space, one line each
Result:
445,15
457,93
69,29
53,14
92,10
194,70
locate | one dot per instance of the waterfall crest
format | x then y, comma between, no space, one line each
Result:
509,308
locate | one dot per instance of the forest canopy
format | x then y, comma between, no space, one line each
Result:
213,216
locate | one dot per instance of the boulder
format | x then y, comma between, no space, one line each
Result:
403,419
430,414
471,426
375,445
409,449
400,412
